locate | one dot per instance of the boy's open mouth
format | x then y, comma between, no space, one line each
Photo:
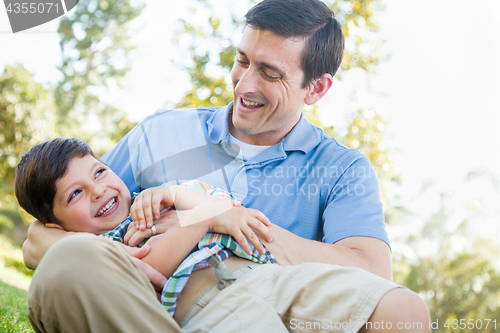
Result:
106,208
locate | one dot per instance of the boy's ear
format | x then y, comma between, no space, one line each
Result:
318,89
54,225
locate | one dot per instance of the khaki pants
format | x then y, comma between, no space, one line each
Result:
310,297
88,284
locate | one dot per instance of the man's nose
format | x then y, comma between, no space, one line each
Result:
246,82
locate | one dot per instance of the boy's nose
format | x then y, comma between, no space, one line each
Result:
98,192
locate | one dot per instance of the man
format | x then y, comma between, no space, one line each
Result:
322,198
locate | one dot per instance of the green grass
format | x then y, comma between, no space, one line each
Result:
13,309
14,281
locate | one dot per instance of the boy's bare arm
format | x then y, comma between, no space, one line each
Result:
170,248
185,198
150,202
40,239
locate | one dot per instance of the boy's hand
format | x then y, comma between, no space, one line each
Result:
241,222
167,220
148,204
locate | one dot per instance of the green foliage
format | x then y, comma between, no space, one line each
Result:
95,46
457,285
11,256
14,309
27,117
358,20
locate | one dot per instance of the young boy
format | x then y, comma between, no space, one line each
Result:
65,185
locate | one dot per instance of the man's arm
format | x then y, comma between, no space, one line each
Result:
40,239
370,254
352,220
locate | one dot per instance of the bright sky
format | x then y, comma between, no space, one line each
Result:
439,88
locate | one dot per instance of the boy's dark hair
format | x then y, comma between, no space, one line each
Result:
310,19
38,171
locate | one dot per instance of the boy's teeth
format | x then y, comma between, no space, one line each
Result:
110,204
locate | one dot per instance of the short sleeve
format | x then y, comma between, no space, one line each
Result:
353,206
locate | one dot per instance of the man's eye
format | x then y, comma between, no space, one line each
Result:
74,194
98,172
241,62
270,77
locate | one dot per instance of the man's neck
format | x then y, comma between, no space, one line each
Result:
261,139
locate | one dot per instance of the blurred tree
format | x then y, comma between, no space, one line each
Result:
210,35
460,278
95,46
458,285
27,117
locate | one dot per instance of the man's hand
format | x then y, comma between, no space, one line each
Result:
156,278
40,239
169,219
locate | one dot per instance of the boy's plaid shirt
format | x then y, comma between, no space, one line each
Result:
211,244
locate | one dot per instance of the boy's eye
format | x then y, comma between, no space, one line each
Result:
74,194
98,172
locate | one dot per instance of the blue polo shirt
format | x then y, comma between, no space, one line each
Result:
308,183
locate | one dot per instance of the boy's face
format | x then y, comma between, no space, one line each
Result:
90,197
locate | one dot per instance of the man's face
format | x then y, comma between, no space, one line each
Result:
267,81
90,197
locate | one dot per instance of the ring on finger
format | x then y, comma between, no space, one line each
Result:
153,230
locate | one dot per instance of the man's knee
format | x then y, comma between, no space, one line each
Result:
401,309
71,260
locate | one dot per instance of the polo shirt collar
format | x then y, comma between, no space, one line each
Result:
218,130
303,137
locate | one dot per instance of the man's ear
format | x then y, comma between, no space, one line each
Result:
54,225
318,89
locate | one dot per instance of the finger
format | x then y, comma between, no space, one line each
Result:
260,216
155,205
138,214
155,277
136,206
139,236
252,238
263,229
147,210
130,231
135,239
240,238
136,252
